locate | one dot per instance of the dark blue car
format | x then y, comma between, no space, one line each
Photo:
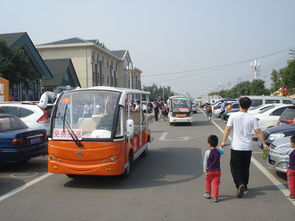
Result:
18,142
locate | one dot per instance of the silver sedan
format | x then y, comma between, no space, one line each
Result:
280,158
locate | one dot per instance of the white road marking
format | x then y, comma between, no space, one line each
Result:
163,138
272,178
25,186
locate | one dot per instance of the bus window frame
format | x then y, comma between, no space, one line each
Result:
113,132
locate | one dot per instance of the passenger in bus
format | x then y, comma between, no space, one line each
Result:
86,111
136,107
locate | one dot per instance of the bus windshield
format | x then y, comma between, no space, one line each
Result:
181,105
87,114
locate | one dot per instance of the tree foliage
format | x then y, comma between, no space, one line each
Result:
284,78
15,65
158,91
245,88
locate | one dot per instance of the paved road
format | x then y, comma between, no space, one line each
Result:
167,184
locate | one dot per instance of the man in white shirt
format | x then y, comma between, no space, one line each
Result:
242,124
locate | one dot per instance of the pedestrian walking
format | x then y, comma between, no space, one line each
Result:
165,111
291,165
156,110
212,168
209,111
242,124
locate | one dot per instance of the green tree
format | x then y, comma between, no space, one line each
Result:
158,91
288,77
15,65
275,80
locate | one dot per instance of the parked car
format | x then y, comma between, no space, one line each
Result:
274,133
18,142
227,113
262,100
259,109
194,107
279,161
270,116
216,109
288,116
30,113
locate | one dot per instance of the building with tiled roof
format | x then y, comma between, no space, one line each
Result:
94,63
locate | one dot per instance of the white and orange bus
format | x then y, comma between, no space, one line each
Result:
97,131
180,110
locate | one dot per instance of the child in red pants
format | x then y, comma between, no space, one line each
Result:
212,168
291,166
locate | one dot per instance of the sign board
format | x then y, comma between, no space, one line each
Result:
63,134
4,89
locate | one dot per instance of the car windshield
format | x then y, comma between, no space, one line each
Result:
181,105
288,114
9,123
88,114
263,110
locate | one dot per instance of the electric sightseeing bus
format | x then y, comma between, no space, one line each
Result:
97,131
180,110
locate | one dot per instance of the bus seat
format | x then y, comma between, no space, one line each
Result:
86,124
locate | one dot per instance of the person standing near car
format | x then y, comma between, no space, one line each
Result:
222,107
242,124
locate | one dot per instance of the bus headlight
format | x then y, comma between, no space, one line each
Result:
52,157
112,159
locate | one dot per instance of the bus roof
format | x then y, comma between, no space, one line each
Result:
122,90
179,97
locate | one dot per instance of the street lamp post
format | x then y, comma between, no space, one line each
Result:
255,66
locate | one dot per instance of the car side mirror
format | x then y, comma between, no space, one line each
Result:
130,127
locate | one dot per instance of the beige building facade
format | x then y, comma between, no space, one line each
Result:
95,64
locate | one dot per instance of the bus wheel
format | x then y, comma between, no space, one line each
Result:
72,176
126,174
144,153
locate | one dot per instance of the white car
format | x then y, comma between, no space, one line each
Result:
260,109
269,116
33,115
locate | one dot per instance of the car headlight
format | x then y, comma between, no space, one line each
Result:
276,136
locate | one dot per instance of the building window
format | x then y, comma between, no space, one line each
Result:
108,80
97,59
107,62
102,79
102,59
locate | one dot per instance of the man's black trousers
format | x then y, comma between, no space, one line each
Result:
240,166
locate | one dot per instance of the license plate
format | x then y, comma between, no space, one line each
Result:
35,140
283,123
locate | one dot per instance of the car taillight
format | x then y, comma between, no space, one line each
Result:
44,137
44,117
19,141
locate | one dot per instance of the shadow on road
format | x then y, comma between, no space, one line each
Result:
165,166
37,165
252,193
8,184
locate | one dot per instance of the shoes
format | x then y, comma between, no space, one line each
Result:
207,195
215,200
291,197
241,190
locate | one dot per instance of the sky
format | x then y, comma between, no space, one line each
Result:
194,46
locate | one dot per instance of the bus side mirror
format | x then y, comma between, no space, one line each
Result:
130,127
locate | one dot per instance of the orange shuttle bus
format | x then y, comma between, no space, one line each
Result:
98,131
